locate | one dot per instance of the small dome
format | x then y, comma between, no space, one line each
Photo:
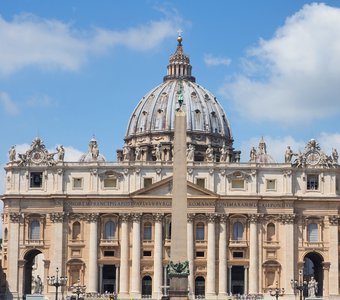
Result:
262,157
93,154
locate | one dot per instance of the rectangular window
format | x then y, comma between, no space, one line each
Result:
110,183
238,254
270,184
109,253
199,253
200,182
77,183
147,182
312,182
146,253
237,184
36,179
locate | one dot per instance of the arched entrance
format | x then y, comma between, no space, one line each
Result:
313,268
33,268
199,287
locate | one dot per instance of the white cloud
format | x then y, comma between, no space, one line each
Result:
294,76
41,100
211,60
31,41
8,104
72,154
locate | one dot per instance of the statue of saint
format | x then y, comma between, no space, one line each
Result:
191,153
288,155
335,156
95,151
209,154
37,285
224,154
158,152
138,153
126,153
12,153
312,287
252,155
61,152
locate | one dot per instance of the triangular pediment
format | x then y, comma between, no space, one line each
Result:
165,186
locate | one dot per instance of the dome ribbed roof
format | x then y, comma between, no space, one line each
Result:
152,121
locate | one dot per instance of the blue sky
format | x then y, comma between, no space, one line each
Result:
73,69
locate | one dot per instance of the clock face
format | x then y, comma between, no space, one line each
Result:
313,158
37,157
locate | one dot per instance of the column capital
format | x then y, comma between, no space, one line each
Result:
136,217
287,218
326,265
92,218
21,263
253,218
224,218
57,217
15,217
211,218
124,217
191,218
333,220
158,217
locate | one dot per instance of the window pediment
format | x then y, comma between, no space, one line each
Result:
238,175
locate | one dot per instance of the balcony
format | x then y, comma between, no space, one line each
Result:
34,243
238,244
271,244
108,242
313,245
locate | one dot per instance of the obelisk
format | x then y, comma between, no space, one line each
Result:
179,265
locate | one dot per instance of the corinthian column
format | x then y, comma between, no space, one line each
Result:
211,291
222,257
157,272
190,245
135,273
253,256
93,248
124,257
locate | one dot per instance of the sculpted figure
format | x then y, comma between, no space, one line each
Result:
157,152
312,287
190,153
252,155
138,153
224,154
37,285
209,154
335,156
12,153
95,151
299,160
288,155
126,153
61,152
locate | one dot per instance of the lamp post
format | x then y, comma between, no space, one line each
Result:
78,289
277,292
56,281
299,285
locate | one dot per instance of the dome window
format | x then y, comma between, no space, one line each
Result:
193,95
206,96
197,111
213,114
144,112
160,110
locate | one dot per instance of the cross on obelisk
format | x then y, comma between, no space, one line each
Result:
179,265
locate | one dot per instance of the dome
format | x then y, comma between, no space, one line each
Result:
152,122
93,154
261,156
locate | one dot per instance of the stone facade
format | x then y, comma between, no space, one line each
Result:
250,226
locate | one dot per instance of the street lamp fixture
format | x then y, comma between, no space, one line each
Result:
277,292
299,285
56,281
78,289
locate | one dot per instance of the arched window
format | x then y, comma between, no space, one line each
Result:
110,230
270,232
34,232
312,232
147,236
76,231
146,287
238,231
200,286
168,229
200,232
6,234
